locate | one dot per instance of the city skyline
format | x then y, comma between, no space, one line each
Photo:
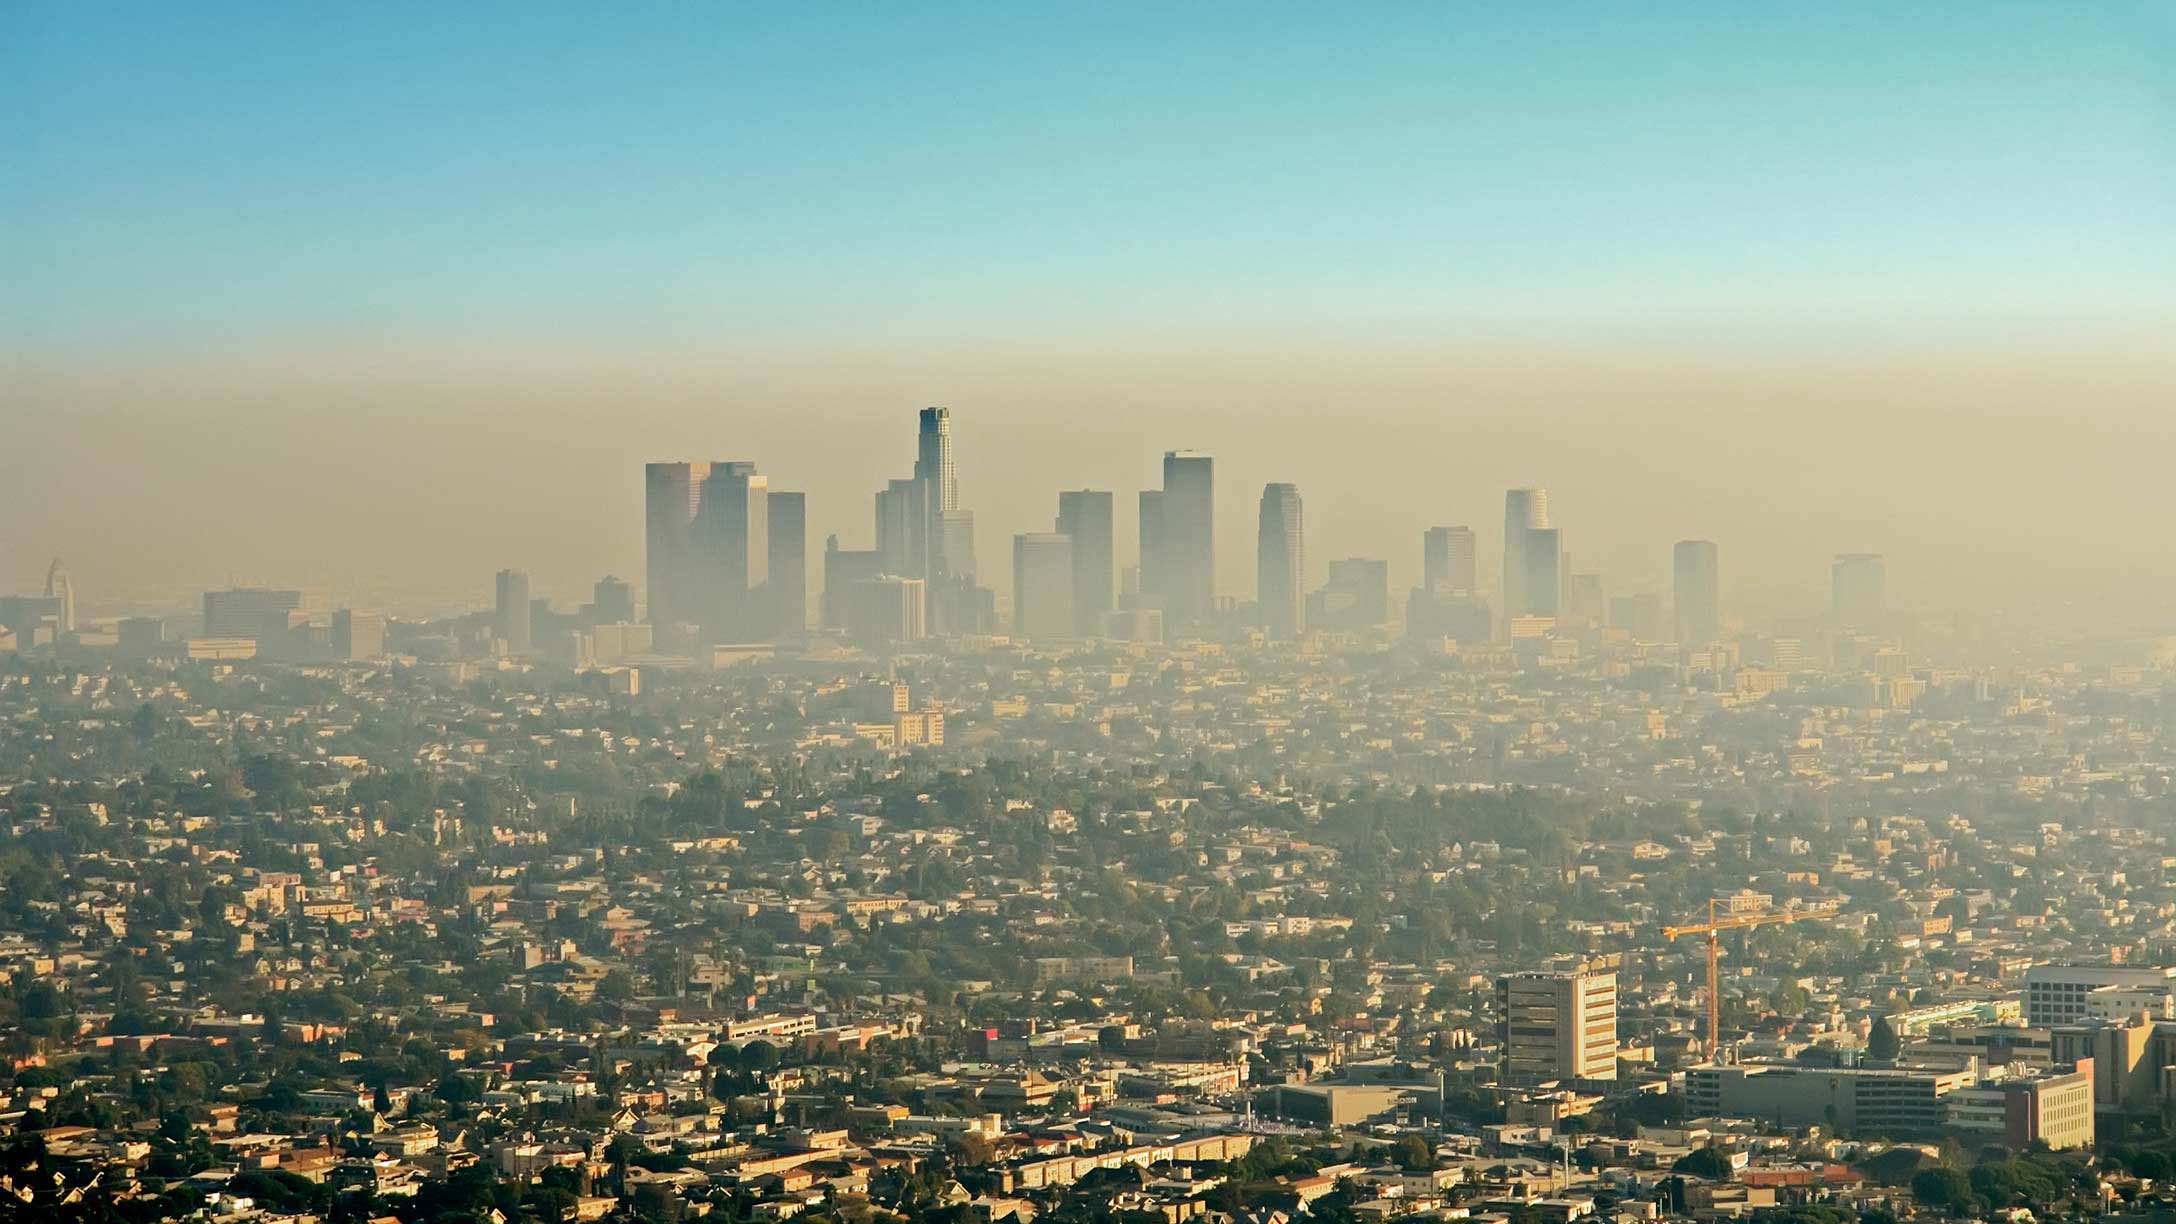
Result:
705,528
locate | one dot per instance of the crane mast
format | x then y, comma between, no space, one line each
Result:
1732,922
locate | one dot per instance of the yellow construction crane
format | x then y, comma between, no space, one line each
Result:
1732,922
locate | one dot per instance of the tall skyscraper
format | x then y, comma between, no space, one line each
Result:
1859,590
1085,515
1525,511
922,532
63,594
1448,561
1542,593
511,613
1148,576
1042,585
787,554
1555,1026
732,542
1696,586
933,459
672,494
1280,561
951,529
1185,575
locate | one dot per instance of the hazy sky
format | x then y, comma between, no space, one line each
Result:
386,297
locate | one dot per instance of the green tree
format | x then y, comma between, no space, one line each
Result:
1882,1043
1944,1188
1709,1162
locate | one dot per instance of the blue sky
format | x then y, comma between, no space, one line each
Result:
220,175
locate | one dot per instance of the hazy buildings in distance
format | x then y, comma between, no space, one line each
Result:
63,594
672,493
1280,561
786,553
727,561
30,620
1178,542
511,612
922,532
1640,615
250,612
611,601
1696,591
886,610
357,634
1858,590
709,541
1042,584
1542,594
1356,598
1084,516
1449,561
732,550
1526,512
843,567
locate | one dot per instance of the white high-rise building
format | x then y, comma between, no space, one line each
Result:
2061,994
1560,1025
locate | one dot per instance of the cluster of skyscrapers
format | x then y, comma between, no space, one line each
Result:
727,567
727,557
727,554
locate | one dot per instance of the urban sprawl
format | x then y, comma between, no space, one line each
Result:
1115,901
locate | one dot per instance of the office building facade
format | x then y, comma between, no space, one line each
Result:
1557,1025
2064,994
